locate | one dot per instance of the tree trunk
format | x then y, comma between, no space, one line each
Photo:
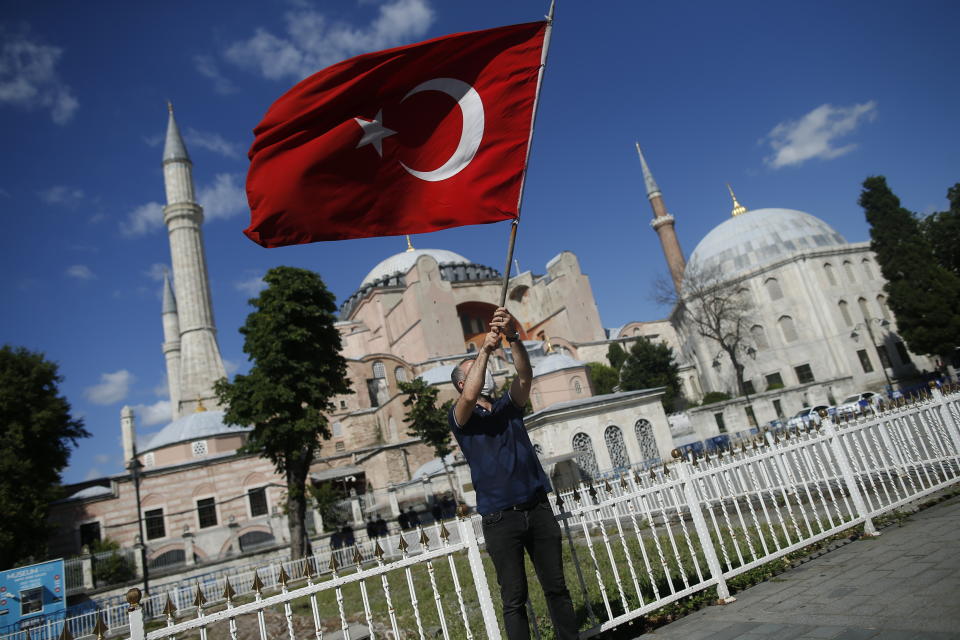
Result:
297,509
446,470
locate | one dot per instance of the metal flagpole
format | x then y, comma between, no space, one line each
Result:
523,177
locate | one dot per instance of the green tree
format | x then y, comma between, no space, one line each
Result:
616,355
923,294
297,369
603,377
428,422
942,232
37,430
326,499
650,365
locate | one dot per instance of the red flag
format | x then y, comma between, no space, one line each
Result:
409,140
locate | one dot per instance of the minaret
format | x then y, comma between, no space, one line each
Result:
662,223
171,345
200,362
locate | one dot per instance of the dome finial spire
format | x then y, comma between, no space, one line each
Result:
738,208
409,245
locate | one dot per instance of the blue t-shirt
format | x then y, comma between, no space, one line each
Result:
504,467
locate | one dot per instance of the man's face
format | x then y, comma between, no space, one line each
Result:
465,367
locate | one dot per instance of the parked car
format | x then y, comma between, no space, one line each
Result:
857,403
808,416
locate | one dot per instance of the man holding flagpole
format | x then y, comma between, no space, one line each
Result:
510,483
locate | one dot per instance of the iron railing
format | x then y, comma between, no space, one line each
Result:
635,543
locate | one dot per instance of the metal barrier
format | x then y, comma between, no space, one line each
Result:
636,542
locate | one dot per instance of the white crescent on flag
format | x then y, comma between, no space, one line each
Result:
471,106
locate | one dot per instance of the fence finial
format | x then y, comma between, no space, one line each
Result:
133,599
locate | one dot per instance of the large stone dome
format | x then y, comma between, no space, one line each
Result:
401,263
392,273
758,238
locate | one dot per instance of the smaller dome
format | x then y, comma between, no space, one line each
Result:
402,262
203,424
556,362
437,375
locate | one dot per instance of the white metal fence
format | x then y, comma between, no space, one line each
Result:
633,544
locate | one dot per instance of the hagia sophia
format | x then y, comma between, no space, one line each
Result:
819,329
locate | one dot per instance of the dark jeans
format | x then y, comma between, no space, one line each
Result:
508,534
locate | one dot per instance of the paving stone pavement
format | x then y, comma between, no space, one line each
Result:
903,585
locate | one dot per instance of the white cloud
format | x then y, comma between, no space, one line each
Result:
151,414
162,390
213,142
60,194
815,134
225,198
250,286
80,272
101,458
113,387
29,79
154,140
208,67
311,42
156,271
230,366
145,218
93,474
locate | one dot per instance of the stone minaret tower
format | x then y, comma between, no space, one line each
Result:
200,363
662,223
171,345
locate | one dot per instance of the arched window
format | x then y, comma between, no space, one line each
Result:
848,267
845,312
864,309
400,374
867,269
882,303
831,276
616,447
773,288
759,336
788,328
648,444
745,295
577,386
379,371
583,447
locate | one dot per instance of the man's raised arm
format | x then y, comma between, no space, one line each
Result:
520,389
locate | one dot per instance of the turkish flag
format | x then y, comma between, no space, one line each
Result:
408,140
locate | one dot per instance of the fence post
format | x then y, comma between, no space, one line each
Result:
700,524
490,623
833,437
86,567
135,615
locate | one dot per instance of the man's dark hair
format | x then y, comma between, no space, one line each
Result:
457,375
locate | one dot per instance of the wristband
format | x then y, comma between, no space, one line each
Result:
513,338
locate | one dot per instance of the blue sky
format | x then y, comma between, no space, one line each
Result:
793,103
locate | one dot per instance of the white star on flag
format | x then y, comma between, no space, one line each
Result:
374,132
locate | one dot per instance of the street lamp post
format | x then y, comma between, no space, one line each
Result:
873,342
135,467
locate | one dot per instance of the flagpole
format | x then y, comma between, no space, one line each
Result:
526,160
